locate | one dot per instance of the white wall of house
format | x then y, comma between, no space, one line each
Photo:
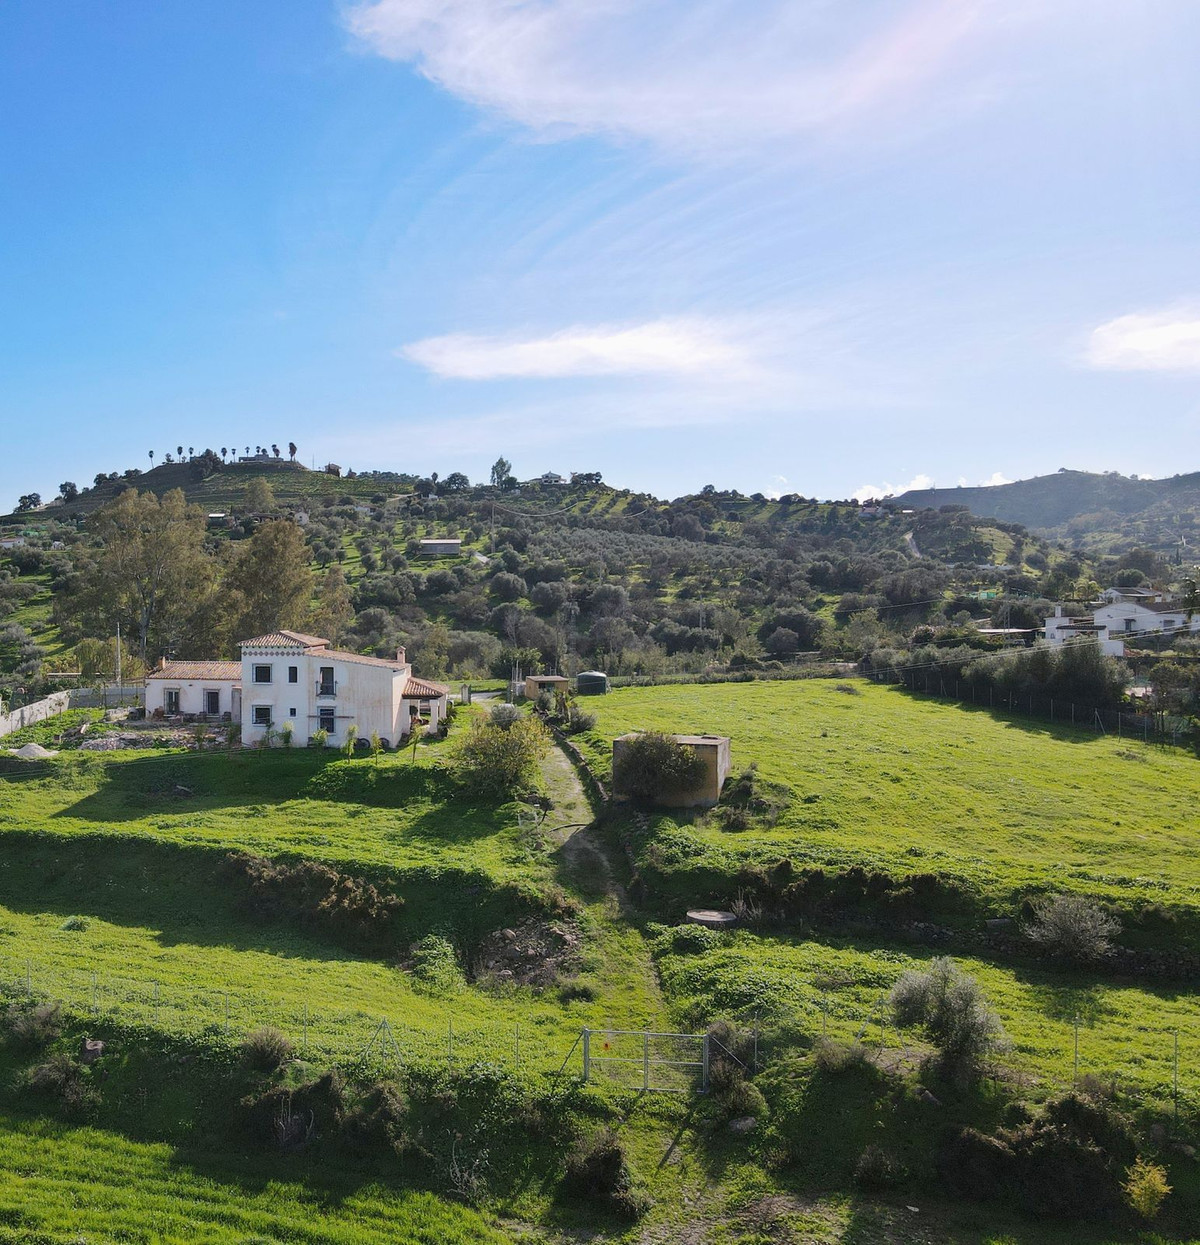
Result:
326,692
1125,617
192,696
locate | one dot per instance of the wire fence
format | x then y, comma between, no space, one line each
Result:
1157,728
1159,1074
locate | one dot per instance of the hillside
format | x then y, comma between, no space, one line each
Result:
1100,513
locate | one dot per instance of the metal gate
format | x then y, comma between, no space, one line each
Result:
639,1059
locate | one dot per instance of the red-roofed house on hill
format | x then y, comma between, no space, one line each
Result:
287,677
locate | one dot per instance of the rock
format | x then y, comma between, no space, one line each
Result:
931,1099
509,935
32,752
1182,1147
742,1125
711,918
91,1049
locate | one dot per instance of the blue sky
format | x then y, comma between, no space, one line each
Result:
787,245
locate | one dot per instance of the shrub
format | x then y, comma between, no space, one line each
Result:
74,924
1146,1187
378,1120
579,720
1068,1162
1073,927
693,939
742,1099
498,761
286,733
504,715
435,965
66,1082
836,1058
653,764
315,894
949,1006
351,740
877,1169
36,1026
318,739
599,1171
289,1117
266,1049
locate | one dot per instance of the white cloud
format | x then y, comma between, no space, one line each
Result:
1148,341
685,75
995,480
867,491
676,347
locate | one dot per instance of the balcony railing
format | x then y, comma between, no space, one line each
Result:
326,688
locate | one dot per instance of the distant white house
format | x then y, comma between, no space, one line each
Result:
12,542
551,477
1131,596
1112,624
288,677
441,547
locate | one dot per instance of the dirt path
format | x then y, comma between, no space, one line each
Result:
583,857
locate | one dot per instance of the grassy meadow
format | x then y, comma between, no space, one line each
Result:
883,779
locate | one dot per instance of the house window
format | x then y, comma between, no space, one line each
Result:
262,715
326,721
293,674
262,674
171,700
291,713
212,702
326,686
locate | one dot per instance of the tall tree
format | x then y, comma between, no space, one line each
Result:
292,447
334,609
259,496
68,490
501,470
150,566
271,580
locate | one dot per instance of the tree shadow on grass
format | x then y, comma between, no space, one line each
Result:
1065,731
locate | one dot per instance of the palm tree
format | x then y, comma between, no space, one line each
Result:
179,451
224,451
191,451
292,450
152,458
275,450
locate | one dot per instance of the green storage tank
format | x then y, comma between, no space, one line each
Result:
591,683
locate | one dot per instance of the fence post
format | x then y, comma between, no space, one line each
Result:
1175,1082
587,1055
704,1071
646,1061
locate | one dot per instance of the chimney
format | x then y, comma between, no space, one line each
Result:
400,656
1058,611
162,663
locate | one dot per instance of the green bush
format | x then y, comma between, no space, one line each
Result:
598,1171
1073,927
34,1026
74,924
498,760
266,1049
877,1169
67,1083
654,765
949,1007
435,965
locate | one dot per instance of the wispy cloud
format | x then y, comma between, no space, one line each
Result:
681,74
1148,341
674,347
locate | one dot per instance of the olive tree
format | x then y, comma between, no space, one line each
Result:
948,1006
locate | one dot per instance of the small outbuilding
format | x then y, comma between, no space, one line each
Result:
713,749
535,684
441,547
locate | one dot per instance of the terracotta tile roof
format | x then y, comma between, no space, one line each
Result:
285,639
198,670
360,659
422,689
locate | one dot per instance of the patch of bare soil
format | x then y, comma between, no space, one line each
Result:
534,953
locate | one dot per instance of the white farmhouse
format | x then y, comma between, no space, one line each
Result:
1110,625
200,689
288,677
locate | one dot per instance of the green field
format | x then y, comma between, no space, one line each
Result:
882,779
